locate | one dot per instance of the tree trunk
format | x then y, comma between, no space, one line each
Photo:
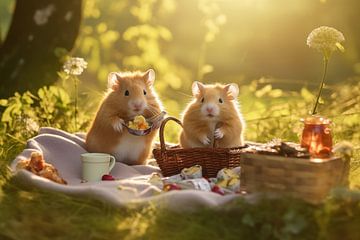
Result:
38,28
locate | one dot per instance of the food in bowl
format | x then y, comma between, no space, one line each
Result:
139,123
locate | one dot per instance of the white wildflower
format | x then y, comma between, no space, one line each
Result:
41,16
343,148
326,40
31,125
75,66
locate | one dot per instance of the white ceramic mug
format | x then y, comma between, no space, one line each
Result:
95,165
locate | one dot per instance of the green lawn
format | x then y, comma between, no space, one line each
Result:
35,214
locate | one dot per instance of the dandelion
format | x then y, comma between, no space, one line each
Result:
75,66
325,40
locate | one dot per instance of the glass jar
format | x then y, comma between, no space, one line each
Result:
316,136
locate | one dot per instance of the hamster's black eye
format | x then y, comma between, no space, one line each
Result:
202,100
220,100
144,92
127,93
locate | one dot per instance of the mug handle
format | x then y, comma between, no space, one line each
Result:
112,163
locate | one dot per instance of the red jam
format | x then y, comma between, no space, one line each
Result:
316,136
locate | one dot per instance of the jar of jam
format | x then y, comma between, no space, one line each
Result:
316,136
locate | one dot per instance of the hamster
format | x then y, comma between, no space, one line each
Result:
129,94
213,106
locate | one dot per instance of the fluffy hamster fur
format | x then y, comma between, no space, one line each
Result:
213,105
129,94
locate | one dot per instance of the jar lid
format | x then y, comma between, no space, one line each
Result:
315,119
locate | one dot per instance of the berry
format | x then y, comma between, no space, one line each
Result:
218,190
107,177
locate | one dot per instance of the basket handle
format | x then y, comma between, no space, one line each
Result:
162,127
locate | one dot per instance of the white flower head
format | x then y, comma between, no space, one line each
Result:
75,66
326,40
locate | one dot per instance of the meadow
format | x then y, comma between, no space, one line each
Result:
246,43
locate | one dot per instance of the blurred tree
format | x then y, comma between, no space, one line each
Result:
39,30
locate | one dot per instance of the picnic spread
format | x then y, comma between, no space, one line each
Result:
185,178
63,150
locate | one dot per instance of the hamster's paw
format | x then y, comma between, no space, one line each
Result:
218,133
205,140
156,125
118,125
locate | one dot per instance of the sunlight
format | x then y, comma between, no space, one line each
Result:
234,78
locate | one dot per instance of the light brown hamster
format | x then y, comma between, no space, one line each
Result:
130,94
213,105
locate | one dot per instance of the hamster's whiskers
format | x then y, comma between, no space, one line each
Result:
193,111
152,110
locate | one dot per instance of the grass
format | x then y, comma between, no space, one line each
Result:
36,214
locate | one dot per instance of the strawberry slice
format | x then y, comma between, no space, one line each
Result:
107,177
218,190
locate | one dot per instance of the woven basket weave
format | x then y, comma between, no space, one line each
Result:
302,178
173,159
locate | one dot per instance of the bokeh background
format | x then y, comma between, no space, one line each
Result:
258,44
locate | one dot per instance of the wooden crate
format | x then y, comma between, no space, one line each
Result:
311,180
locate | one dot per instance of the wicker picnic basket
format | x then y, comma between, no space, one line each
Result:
311,180
173,159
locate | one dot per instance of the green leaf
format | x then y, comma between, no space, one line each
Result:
3,102
63,75
276,93
263,91
306,94
27,98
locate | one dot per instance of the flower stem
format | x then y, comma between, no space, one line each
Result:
326,61
75,102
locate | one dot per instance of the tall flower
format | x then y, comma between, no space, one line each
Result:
74,67
325,40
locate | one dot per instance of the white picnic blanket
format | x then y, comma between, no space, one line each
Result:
63,150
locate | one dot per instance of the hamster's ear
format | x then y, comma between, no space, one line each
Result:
232,90
113,80
149,77
197,88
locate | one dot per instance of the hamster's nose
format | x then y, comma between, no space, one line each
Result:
209,109
137,106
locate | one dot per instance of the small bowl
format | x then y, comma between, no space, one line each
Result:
138,132
151,121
